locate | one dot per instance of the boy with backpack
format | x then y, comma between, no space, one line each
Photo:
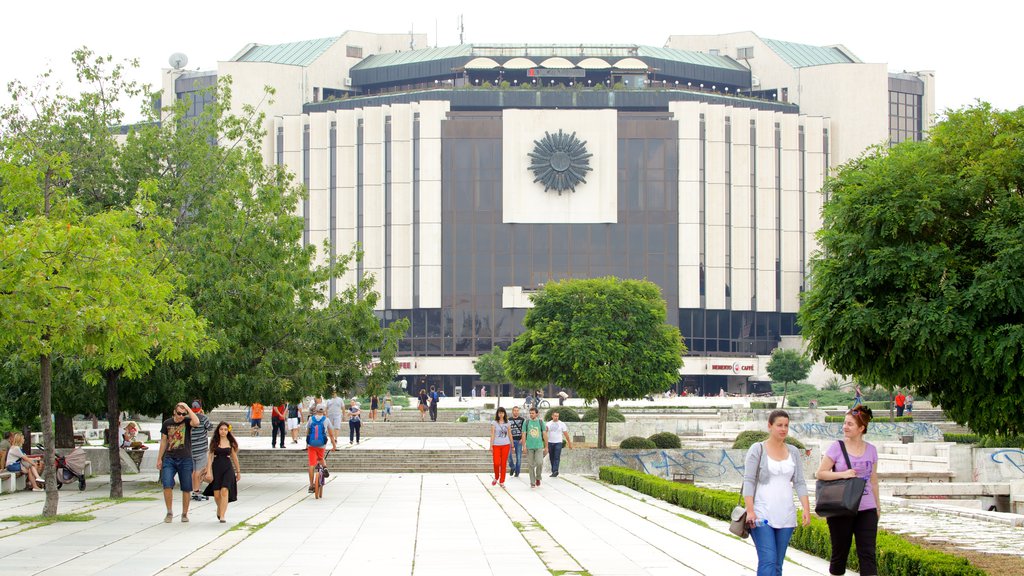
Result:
316,440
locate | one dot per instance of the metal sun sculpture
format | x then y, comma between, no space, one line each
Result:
560,161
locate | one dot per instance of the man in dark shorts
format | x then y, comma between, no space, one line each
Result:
175,457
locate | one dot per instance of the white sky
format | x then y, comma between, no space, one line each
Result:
971,46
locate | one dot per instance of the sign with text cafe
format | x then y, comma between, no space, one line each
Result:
746,367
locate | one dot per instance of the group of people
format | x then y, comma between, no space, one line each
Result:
287,419
428,403
773,471
510,436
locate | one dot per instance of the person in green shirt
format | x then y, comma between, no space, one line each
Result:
535,433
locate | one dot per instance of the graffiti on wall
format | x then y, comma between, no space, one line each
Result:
877,430
705,465
1010,456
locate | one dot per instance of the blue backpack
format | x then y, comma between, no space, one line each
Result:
317,435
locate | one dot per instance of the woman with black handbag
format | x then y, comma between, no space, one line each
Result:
863,459
772,472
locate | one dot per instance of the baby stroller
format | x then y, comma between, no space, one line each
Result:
71,467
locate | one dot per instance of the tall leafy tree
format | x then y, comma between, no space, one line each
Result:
920,278
606,338
788,367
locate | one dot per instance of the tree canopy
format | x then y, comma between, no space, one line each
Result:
919,281
788,367
605,338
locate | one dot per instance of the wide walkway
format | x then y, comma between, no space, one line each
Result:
419,524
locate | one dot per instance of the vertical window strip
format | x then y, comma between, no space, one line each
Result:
778,217
359,205
753,213
305,184
416,210
701,159
333,187
728,212
803,207
386,289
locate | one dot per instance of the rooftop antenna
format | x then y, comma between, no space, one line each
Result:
177,60
462,28
412,36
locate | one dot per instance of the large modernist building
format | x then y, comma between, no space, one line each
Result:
472,175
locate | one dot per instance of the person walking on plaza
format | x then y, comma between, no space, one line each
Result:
222,470
863,525
294,418
175,457
317,435
255,419
278,415
374,405
500,443
515,453
772,471
354,421
858,397
433,404
335,409
901,402
557,433
423,404
388,402
200,444
910,403
536,434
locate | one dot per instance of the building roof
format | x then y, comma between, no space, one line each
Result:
539,52
292,53
804,55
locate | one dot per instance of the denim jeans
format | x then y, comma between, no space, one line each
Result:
515,456
771,544
182,467
353,430
555,454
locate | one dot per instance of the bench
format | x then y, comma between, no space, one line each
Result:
11,482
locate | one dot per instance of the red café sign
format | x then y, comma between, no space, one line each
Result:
735,367
401,365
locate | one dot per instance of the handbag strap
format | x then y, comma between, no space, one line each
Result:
757,476
846,455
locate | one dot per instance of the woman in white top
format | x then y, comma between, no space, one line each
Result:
771,513
18,461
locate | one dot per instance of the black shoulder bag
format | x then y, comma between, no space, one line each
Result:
839,497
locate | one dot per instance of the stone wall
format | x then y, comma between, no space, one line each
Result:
998,464
717,466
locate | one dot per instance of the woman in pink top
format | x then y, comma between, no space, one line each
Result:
864,524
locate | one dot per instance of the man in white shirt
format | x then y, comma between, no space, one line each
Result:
557,432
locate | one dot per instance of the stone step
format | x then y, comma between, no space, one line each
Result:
264,461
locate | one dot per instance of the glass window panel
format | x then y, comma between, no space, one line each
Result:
723,324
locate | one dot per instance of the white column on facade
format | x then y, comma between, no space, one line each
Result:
345,186
715,205
741,231
373,198
292,153
432,113
319,185
790,212
401,207
815,171
687,116
766,225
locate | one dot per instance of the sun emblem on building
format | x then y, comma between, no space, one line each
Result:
560,161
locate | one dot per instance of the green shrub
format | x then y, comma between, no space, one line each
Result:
463,418
748,438
990,441
614,415
875,419
489,406
565,414
637,443
961,438
764,405
665,440
896,556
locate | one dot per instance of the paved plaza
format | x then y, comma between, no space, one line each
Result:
389,523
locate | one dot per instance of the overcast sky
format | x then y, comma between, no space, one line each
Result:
970,46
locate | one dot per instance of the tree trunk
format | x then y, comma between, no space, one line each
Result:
45,395
602,421
64,431
114,427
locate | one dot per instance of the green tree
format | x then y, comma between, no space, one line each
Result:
491,368
90,288
606,338
920,278
788,367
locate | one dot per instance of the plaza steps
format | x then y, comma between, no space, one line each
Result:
383,461
235,415
919,415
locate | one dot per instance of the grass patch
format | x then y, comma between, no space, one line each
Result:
46,520
696,521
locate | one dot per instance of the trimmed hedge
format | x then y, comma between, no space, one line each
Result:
748,438
875,419
613,415
665,440
637,443
565,414
896,556
764,405
961,438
